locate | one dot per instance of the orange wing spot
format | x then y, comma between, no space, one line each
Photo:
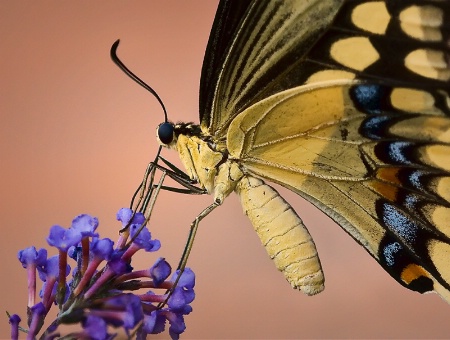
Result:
413,272
389,175
386,190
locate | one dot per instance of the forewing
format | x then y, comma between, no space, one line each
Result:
258,48
251,54
226,22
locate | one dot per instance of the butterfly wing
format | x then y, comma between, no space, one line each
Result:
252,47
258,48
370,148
384,177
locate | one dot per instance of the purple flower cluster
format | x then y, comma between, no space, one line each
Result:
100,298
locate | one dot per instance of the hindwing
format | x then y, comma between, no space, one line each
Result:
378,175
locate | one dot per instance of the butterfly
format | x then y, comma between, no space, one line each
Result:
346,103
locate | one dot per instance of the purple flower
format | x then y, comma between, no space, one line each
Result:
180,299
154,323
29,256
124,310
51,269
116,267
178,306
75,252
102,249
94,328
38,313
62,238
132,307
144,239
119,266
86,225
50,274
187,279
183,293
125,214
101,297
177,325
14,321
32,259
141,238
160,271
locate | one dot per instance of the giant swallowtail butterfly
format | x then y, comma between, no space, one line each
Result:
347,104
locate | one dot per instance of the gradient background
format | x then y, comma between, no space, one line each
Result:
76,136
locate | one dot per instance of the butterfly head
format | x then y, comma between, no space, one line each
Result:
165,134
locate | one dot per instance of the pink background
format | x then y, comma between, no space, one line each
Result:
76,136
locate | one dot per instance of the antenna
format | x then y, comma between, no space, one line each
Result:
130,74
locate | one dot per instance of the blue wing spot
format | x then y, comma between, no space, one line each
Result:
399,223
401,247
411,201
375,127
414,179
369,98
397,152
390,251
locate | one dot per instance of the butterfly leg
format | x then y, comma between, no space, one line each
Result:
192,232
188,248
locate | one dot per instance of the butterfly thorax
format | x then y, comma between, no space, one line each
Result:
205,160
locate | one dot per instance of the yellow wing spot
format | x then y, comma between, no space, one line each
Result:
422,33
443,188
444,136
440,254
428,63
427,16
372,17
437,156
439,218
422,22
327,75
412,100
356,53
413,272
426,128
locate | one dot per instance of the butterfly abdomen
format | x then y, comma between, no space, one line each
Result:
283,234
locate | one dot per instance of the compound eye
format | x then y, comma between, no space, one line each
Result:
165,133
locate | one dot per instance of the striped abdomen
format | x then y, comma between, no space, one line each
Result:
283,234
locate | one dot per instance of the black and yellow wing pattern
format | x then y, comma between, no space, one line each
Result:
346,103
